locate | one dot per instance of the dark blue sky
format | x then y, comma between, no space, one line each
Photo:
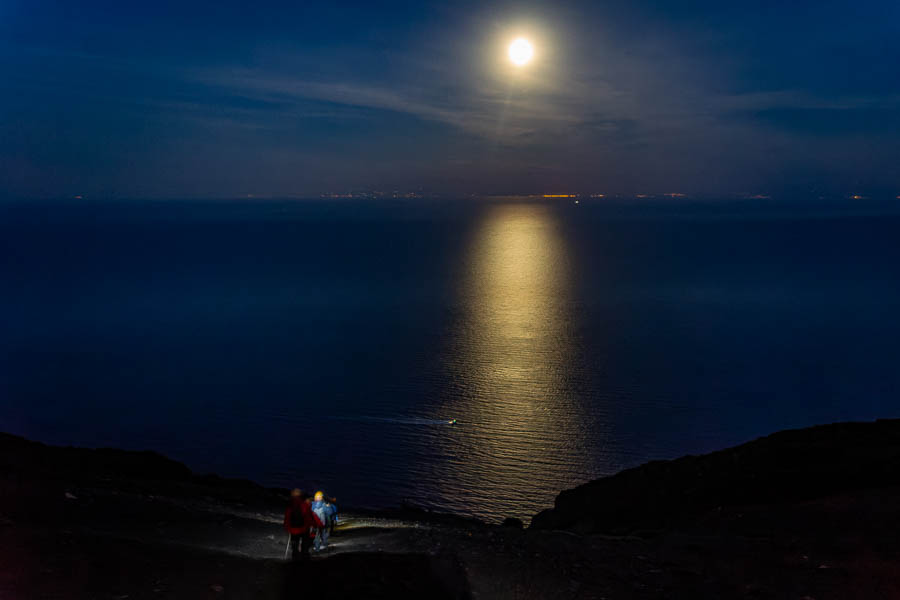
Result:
226,98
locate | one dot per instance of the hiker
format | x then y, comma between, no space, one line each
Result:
331,505
325,511
301,523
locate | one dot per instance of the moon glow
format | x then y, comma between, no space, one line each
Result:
521,51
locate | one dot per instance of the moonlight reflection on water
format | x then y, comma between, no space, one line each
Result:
513,358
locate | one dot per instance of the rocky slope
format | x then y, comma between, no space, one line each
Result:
809,514
788,466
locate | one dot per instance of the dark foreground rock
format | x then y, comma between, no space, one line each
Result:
105,523
75,566
788,466
108,524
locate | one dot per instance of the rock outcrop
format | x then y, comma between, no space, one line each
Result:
788,466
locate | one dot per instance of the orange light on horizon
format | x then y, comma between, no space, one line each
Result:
560,195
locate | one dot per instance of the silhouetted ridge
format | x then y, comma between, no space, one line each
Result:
786,466
17,452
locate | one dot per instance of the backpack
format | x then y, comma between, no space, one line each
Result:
297,517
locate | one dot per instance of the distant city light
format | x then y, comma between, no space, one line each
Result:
373,194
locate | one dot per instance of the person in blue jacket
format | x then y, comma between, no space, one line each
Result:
325,509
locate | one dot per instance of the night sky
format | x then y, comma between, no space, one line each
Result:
226,99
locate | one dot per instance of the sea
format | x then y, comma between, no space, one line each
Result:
471,356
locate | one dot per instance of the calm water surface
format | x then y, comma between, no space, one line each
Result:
326,344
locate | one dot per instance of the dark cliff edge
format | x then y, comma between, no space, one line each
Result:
109,523
24,462
808,513
786,467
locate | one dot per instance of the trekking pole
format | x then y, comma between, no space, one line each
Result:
288,547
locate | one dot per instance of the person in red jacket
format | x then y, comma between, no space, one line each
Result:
301,522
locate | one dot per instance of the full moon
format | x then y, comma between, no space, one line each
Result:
521,51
